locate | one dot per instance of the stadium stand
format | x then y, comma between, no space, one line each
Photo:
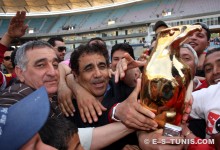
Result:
128,20
137,13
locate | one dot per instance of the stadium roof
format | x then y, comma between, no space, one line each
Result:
50,6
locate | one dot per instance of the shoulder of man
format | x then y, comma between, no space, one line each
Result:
14,93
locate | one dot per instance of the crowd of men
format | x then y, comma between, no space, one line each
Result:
88,102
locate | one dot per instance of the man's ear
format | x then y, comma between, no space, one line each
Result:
19,73
208,44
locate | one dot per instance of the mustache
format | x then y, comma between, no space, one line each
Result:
96,81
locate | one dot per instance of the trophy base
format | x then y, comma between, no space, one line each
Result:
172,130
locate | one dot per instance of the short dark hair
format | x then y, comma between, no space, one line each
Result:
123,46
212,51
95,48
57,132
52,40
206,28
159,24
97,40
21,57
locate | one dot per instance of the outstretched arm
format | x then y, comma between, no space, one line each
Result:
65,94
108,134
16,28
132,114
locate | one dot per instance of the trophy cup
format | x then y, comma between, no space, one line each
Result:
166,79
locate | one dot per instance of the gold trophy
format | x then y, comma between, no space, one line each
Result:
166,79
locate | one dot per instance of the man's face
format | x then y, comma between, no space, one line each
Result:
187,56
198,40
41,69
116,57
74,143
212,68
6,61
35,143
59,49
93,74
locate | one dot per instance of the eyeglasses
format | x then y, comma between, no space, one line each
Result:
61,48
7,58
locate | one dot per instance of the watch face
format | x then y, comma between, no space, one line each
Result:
217,125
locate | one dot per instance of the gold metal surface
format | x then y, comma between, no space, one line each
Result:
165,77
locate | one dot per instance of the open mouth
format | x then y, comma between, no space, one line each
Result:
193,44
99,84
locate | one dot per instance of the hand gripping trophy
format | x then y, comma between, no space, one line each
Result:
166,79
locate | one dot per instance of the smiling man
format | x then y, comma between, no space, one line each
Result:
34,72
212,66
199,40
90,66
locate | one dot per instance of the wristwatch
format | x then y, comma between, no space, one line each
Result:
113,113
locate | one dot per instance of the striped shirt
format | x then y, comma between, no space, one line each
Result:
18,91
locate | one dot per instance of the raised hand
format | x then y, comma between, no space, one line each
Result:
125,64
17,27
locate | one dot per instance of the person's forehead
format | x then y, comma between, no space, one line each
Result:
91,58
186,51
212,57
7,53
40,52
119,52
203,31
59,43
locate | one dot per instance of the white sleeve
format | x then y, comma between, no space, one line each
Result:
85,137
197,111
